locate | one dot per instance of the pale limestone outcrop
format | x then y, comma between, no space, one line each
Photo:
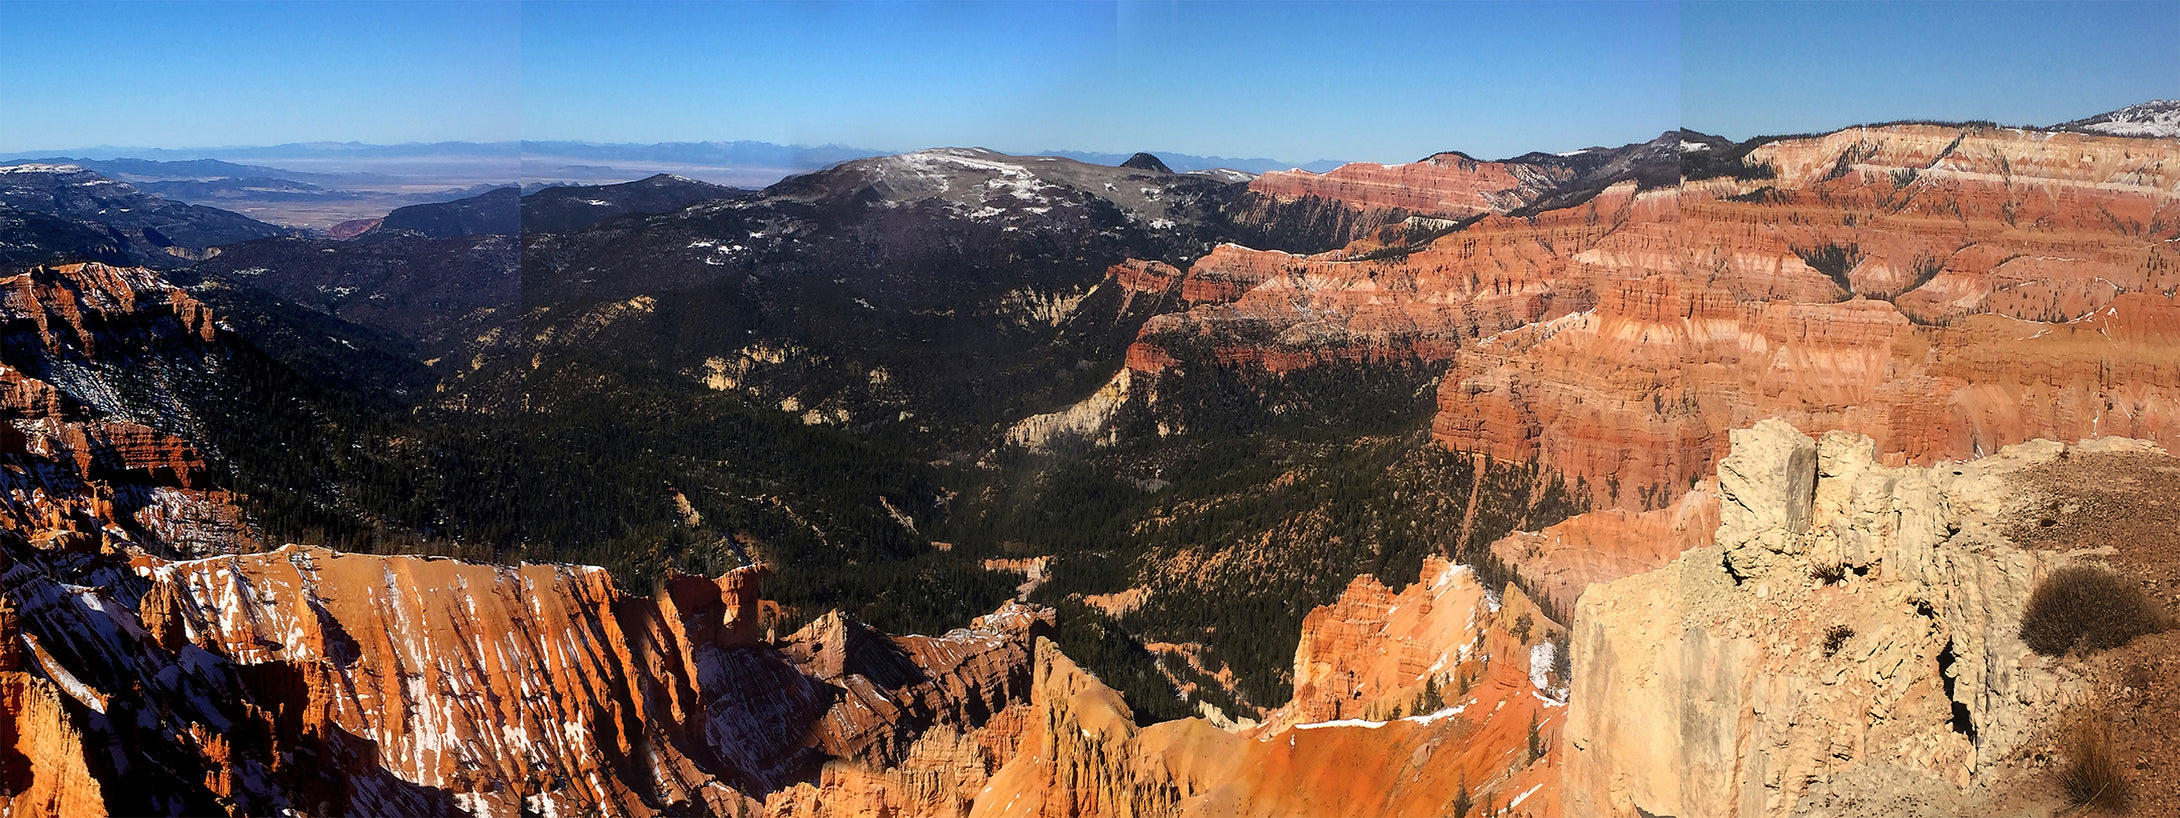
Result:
1084,420
1766,488
1738,681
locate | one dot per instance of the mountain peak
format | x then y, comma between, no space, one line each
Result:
1145,161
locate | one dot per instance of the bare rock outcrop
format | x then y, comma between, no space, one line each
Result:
1086,420
1403,702
1853,636
1607,544
89,306
1281,312
41,752
327,683
41,747
541,687
1946,291
1447,184
84,468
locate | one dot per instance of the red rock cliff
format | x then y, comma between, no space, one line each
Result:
1403,703
1945,290
1448,185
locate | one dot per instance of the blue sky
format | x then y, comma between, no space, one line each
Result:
225,73
1292,81
1775,68
1298,81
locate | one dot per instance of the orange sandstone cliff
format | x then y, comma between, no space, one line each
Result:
1945,290
299,680
1447,185
1404,704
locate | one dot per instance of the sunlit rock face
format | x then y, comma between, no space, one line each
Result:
1447,185
405,685
1945,291
1918,294
140,681
1851,640
1404,703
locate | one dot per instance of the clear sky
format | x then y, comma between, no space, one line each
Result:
1296,81
208,74
1292,81
1773,68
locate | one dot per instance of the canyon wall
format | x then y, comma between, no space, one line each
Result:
140,681
91,461
1447,185
1404,703
1281,311
309,679
1765,623
1945,290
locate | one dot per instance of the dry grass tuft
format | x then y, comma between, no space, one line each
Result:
2092,778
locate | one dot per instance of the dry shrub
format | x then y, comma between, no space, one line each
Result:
2089,608
1836,638
2092,777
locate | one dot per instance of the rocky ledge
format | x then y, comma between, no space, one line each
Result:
1850,644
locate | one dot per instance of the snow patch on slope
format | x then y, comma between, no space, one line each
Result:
2156,118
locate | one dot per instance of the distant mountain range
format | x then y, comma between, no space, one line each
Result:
89,216
740,152
180,169
213,162
1183,162
293,150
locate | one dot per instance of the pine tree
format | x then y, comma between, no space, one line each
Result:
1536,741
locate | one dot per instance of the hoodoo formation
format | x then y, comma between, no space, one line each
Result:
1681,478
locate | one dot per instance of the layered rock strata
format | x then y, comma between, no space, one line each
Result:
1853,636
1560,561
1404,703
324,682
1281,312
1447,185
81,466
304,680
1945,290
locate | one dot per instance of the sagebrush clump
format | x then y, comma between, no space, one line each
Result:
2087,608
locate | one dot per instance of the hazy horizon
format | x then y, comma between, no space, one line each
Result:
1294,83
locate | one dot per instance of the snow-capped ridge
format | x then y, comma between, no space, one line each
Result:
40,167
2157,118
